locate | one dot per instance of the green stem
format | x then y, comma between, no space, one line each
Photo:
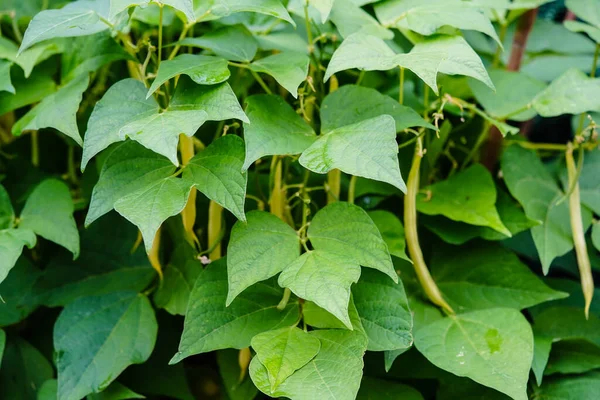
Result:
181,37
71,165
160,35
307,25
261,82
35,149
480,141
498,52
352,189
401,87
592,74
15,28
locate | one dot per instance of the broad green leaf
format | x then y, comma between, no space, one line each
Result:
210,325
282,41
573,357
318,317
49,213
468,196
234,43
106,264
583,387
576,26
217,172
128,168
58,111
185,6
541,353
289,69
7,214
212,9
178,280
17,293
367,149
151,15
379,389
486,275
324,7
97,337
229,368
79,18
334,374
391,231
532,185
204,70
427,18
284,351
115,391
567,323
258,249
29,91
358,237
351,104
514,92
571,93
384,312
12,242
29,369
48,390
323,278
274,129
30,57
148,207
348,17
492,347
587,10
5,82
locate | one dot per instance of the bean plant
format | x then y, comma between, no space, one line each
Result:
303,199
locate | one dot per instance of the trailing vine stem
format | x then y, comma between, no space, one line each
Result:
583,260
412,236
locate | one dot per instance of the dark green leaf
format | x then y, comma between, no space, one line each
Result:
289,69
234,43
231,372
379,389
17,292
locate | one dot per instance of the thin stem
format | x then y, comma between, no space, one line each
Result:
480,141
361,76
401,87
592,74
71,171
284,300
261,82
35,149
15,28
583,260
160,35
352,189
498,52
307,25
181,37
412,235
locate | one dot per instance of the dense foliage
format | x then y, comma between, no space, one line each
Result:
310,199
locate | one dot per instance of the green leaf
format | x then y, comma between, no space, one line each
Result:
358,237
115,391
29,91
2,344
468,196
570,387
596,236
325,279
274,129
30,57
492,347
587,10
5,82
391,231
486,275
79,18
129,168
212,9
48,390
7,214
97,337
11,246
29,369
452,387
541,353
258,249
533,186
334,374
384,312
589,181
367,149
379,389
17,292
566,323
230,371
148,207
185,6
427,18
49,213
571,93
107,264
210,325
289,69
284,351
234,43
576,26
573,357
204,70
351,104
514,92
349,18
58,111
217,172
318,317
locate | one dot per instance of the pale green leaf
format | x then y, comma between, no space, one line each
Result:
358,236
573,357
274,129
58,111
587,10
75,19
282,41
148,207
12,242
151,15
289,69
541,353
513,96
284,351
115,391
210,325
97,337
130,167
384,312
185,6
318,317
334,374
217,172
391,231
350,104
323,278
571,93
30,57
204,70
211,9
324,7
5,82
581,27
258,249
49,213
234,43
349,18
486,275
468,196
580,387
367,149
492,347
380,389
